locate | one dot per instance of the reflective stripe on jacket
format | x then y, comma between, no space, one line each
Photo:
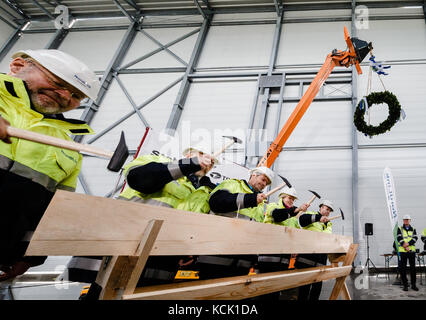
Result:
239,186
178,194
318,226
49,166
407,236
292,222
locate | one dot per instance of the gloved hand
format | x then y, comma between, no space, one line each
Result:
10,272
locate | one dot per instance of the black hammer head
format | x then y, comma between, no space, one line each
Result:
316,194
341,212
236,140
120,155
286,181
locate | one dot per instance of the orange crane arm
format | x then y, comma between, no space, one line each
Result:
336,58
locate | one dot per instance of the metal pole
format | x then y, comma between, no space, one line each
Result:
107,79
355,203
14,37
57,39
183,91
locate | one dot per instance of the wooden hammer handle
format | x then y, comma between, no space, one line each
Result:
223,149
312,200
56,142
275,189
335,217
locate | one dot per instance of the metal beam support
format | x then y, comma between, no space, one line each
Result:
15,7
56,41
200,10
424,9
272,60
10,42
157,50
184,88
43,9
163,47
124,11
118,58
355,203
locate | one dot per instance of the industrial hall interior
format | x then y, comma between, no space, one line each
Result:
258,150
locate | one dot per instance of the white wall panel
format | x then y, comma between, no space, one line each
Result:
328,172
323,124
95,48
307,43
407,82
408,167
143,45
396,39
26,41
233,46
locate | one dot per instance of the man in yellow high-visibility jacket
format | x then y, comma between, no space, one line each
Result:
40,85
407,238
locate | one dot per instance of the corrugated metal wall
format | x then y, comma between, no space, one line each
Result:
320,154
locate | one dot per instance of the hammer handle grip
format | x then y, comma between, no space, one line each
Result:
223,149
312,200
275,189
56,142
335,217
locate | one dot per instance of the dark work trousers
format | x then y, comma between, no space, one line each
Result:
272,263
411,257
310,292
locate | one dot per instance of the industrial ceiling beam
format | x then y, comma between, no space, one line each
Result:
15,7
44,10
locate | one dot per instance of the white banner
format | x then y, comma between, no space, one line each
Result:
391,201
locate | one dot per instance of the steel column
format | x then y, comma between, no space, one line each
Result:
57,39
184,88
355,203
107,79
10,42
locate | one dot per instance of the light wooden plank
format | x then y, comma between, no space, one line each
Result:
143,252
77,224
236,288
340,281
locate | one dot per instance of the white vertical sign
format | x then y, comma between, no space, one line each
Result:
391,201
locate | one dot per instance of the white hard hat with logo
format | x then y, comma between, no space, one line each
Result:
66,67
327,203
264,170
289,192
407,216
200,147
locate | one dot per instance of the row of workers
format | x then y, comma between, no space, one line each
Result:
184,185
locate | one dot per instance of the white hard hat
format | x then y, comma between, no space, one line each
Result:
289,192
327,203
200,147
407,216
264,170
66,67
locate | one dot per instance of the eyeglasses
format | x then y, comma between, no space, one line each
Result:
59,85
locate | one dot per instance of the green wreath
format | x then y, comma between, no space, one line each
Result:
376,98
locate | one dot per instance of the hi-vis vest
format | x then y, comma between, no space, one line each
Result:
239,186
52,167
177,194
290,222
407,236
318,226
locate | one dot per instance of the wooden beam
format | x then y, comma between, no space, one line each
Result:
235,288
122,273
340,281
82,225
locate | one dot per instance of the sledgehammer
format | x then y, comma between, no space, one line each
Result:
339,216
118,157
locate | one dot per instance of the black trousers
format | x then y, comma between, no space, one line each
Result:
411,257
310,292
